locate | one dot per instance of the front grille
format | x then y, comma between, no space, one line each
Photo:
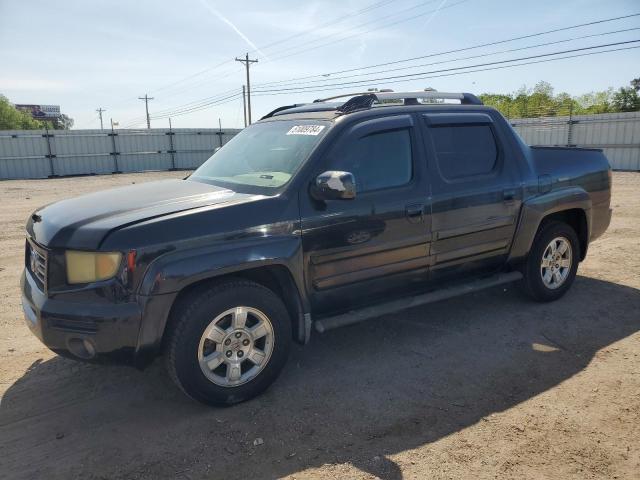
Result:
36,261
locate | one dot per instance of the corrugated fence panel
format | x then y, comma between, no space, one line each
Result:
33,154
190,161
139,162
194,147
23,154
618,134
87,152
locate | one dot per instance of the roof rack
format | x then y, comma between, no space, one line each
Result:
279,109
365,100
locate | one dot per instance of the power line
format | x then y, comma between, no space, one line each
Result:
447,74
501,67
195,102
246,61
204,103
457,50
168,111
395,77
146,99
184,111
482,55
194,106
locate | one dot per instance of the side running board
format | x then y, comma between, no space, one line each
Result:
367,313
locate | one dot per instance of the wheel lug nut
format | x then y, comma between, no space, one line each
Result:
245,342
227,341
229,353
240,354
238,334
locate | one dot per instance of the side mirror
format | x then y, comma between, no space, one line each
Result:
334,185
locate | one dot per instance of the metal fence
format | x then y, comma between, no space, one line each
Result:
42,154
51,153
617,133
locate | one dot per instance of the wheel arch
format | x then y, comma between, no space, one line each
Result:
571,206
275,277
576,218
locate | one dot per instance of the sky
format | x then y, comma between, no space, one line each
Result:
83,55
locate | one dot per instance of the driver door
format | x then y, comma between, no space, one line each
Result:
356,250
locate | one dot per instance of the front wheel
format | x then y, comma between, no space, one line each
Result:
552,263
228,343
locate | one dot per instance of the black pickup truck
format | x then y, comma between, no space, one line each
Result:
317,216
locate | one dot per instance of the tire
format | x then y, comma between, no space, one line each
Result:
546,284
231,363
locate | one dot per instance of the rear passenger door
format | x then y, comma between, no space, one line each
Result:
476,192
358,251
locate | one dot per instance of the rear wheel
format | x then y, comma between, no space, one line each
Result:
552,263
228,343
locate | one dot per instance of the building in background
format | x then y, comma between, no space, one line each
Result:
41,112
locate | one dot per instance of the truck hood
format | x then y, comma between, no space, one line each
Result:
83,222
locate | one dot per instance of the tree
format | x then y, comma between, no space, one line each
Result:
626,100
595,102
63,123
541,101
13,119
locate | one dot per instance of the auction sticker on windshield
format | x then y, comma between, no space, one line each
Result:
305,130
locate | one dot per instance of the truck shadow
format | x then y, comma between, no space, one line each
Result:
355,395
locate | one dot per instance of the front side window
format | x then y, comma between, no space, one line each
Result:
264,155
464,150
380,160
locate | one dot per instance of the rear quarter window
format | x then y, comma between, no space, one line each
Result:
464,150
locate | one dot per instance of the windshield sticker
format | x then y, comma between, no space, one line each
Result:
305,130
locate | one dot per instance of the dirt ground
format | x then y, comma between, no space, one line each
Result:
489,385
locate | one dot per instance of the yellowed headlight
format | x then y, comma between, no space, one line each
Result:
87,267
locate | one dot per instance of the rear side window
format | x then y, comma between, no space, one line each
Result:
380,160
464,150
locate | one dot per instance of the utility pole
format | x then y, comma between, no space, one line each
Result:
246,63
146,99
100,110
244,104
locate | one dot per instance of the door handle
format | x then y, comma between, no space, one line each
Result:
415,213
509,195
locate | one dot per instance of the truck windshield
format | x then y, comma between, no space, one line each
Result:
263,155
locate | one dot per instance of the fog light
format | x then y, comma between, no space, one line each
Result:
82,348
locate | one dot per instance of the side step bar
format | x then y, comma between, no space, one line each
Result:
367,313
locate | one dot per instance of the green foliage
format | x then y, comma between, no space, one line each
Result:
626,100
13,119
541,101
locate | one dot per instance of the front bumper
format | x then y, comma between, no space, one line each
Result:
83,331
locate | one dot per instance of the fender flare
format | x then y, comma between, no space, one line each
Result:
535,209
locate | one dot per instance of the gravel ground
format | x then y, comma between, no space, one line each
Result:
489,385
